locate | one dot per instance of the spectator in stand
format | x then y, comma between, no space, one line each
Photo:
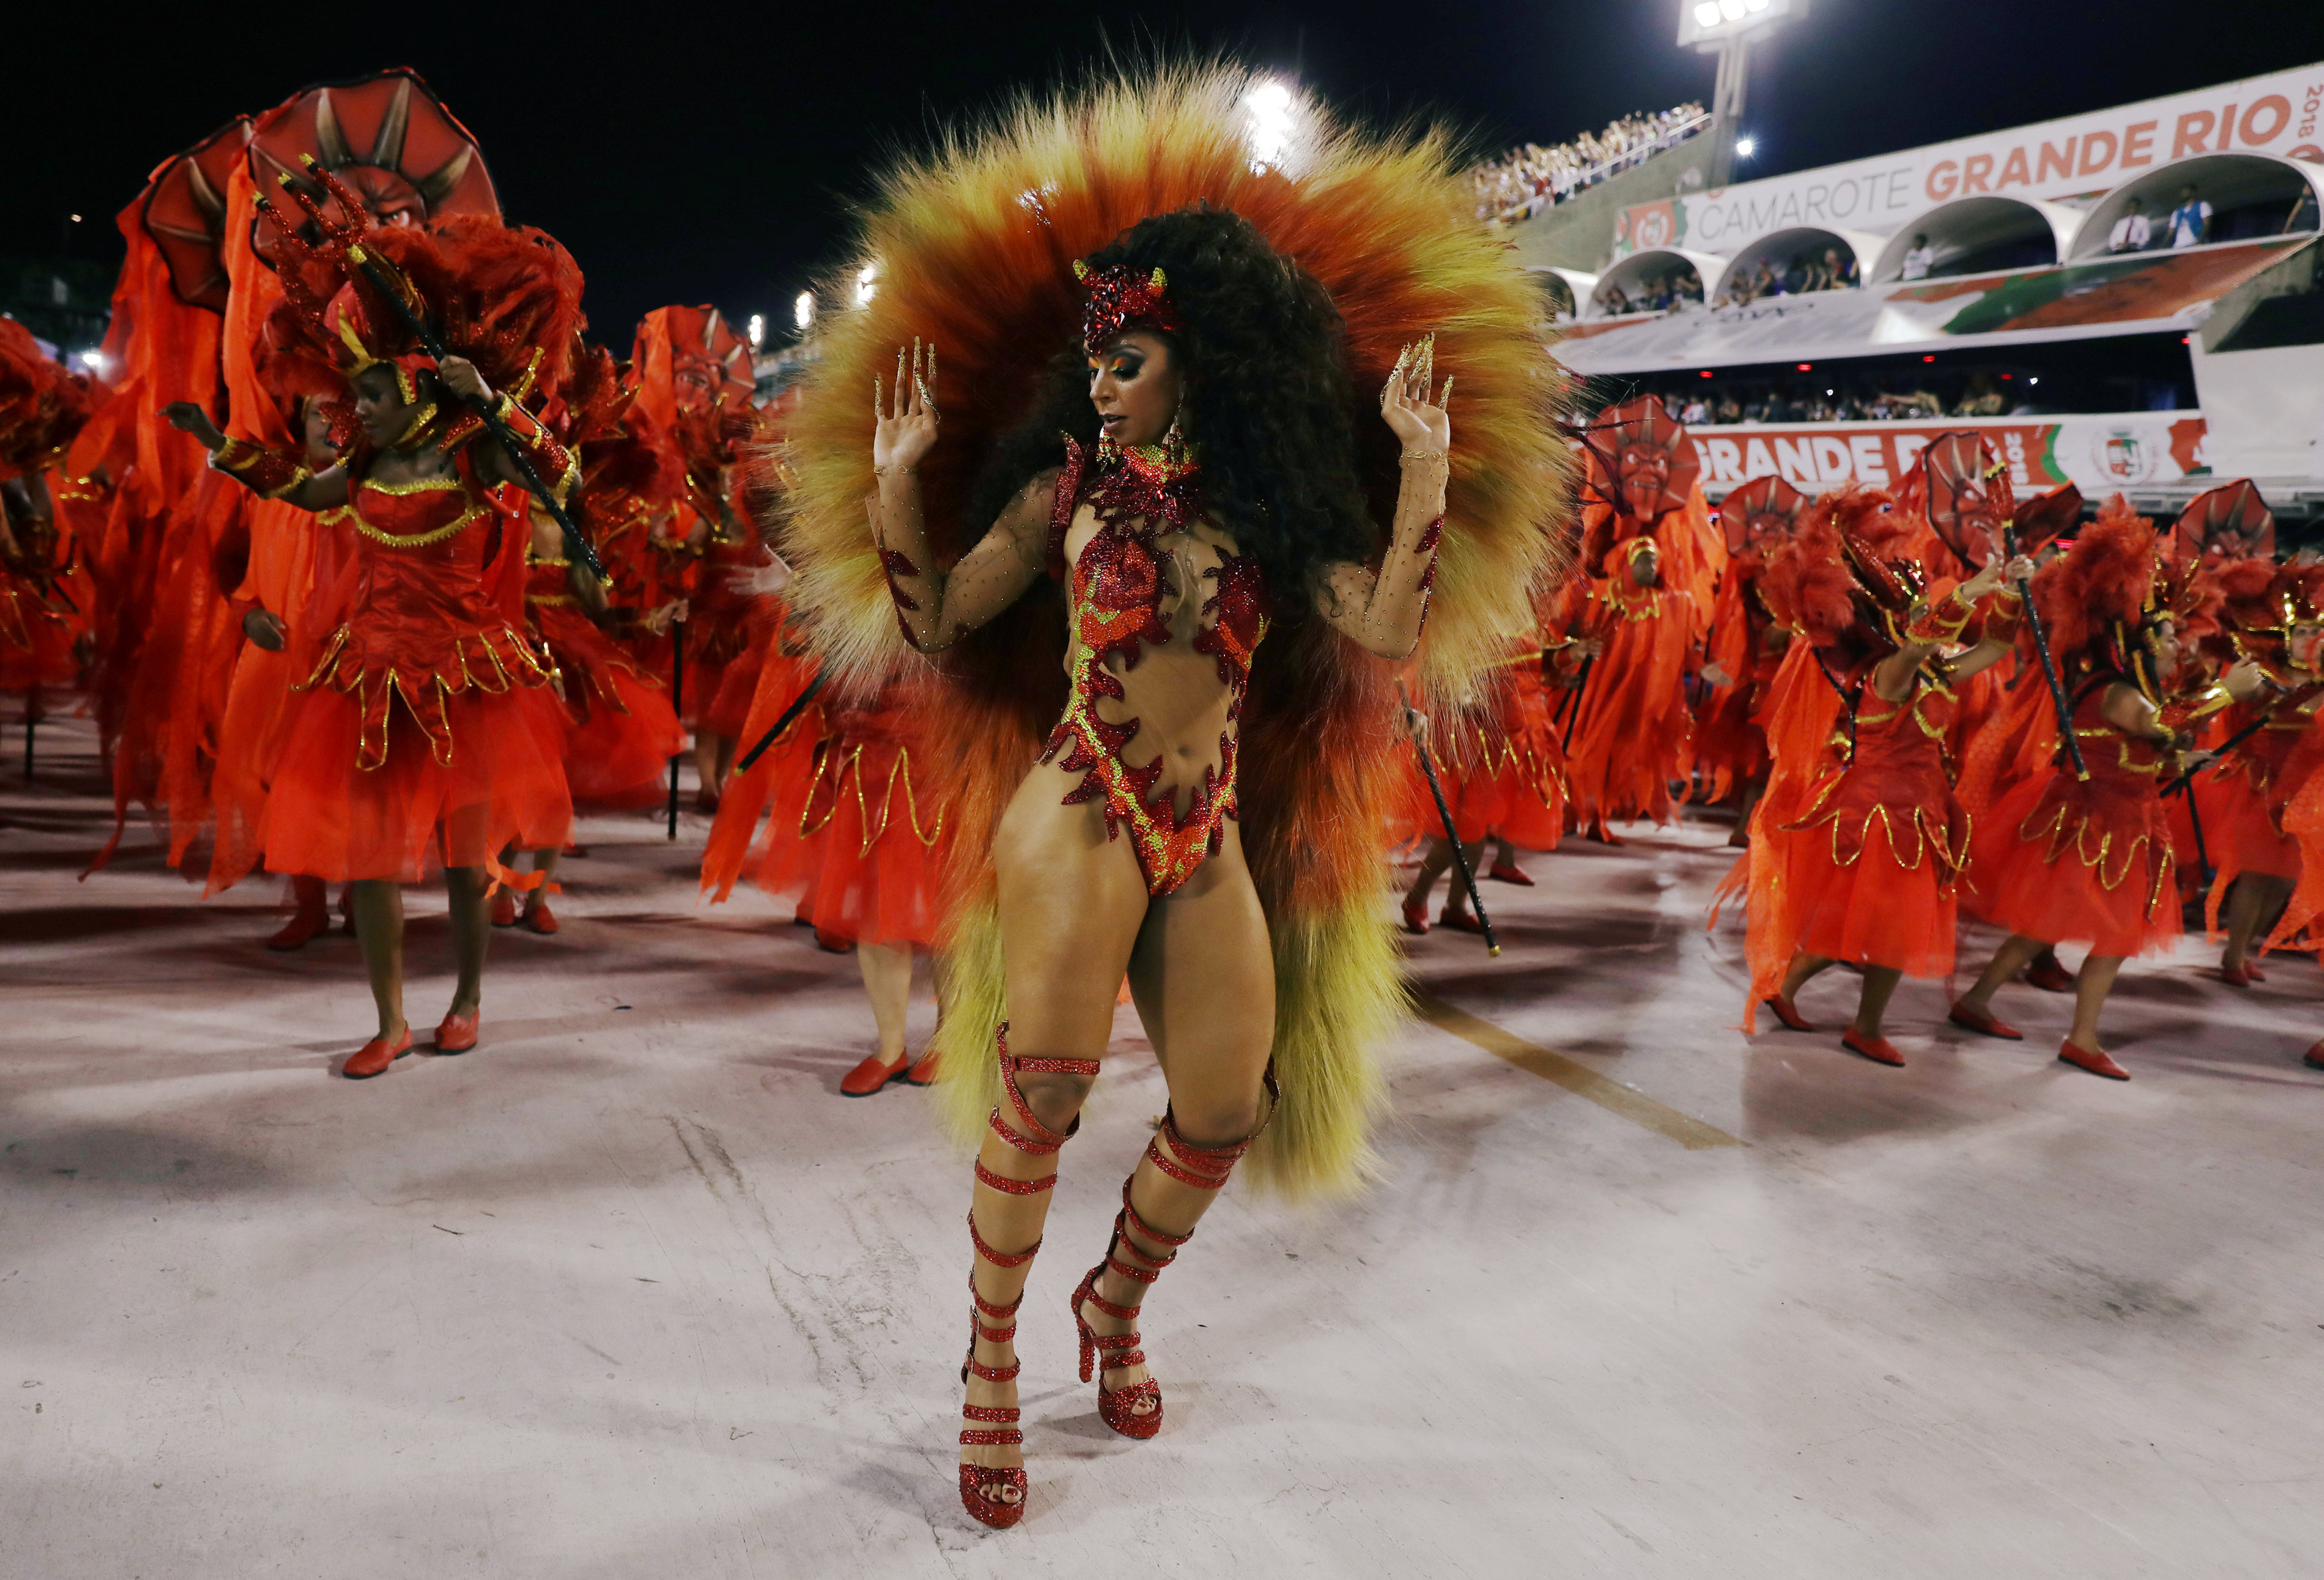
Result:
2131,233
1728,408
1612,303
2190,222
1530,177
1837,275
1920,257
1694,414
1980,399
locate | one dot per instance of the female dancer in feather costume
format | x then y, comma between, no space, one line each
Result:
1212,486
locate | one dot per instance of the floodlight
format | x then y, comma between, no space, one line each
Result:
867,284
1745,146
1270,106
803,309
758,330
94,360
1707,14
1732,10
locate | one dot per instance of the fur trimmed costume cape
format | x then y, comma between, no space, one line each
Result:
972,247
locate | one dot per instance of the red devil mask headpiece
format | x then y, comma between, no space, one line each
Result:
1761,516
1644,464
1122,300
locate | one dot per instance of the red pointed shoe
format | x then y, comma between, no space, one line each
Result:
2091,1060
1789,1013
541,919
2242,976
457,1032
1982,1023
503,909
375,1056
924,1070
2314,1058
2049,975
1510,872
870,1075
1878,1049
301,927
1415,917
832,943
1458,921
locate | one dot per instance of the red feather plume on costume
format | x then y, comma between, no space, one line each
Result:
507,298
42,404
2102,580
1809,587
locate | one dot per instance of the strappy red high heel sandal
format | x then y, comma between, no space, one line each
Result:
984,1489
1205,1169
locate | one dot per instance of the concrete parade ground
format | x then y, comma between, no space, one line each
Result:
632,1290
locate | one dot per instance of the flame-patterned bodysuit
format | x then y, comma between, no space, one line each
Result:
1120,597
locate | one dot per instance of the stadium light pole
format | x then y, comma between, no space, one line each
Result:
1728,29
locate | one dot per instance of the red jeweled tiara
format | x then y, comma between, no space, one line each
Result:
1120,300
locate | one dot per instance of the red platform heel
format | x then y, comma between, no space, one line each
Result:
1203,1167
994,1495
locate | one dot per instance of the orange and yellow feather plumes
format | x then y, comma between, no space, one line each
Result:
971,247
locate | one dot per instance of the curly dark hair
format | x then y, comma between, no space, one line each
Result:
1263,358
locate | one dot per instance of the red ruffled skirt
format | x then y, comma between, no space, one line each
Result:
501,783
1873,885
623,732
2238,830
2090,862
857,840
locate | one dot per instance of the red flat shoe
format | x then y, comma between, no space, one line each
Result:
924,1070
1789,1013
2314,1058
832,943
2091,1060
870,1075
1878,1049
504,909
541,919
457,1033
1510,872
375,1056
301,927
1458,921
1416,916
1982,1023
2049,975
575,849
2242,976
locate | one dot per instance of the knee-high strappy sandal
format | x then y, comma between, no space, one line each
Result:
984,1490
1205,1169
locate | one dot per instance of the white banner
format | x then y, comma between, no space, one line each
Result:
2281,113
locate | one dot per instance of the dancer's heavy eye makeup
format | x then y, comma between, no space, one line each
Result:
1125,362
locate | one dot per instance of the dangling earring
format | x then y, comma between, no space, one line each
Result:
1174,447
1107,451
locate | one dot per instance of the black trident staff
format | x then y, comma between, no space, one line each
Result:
1444,812
798,706
385,279
2042,648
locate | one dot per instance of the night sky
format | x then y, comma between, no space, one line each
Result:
692,153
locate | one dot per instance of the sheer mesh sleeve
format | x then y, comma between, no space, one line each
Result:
934,606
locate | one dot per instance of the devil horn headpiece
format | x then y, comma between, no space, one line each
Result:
1120,299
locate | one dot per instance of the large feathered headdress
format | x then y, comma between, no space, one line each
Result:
973,246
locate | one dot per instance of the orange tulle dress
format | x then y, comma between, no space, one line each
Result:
2242,797
2084,861
622,731
717,627
425,731
1872,862
1499,765
1633,736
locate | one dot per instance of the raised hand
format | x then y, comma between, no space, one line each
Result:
190,419
904,428
1422,427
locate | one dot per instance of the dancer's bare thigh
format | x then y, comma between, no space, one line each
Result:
1071,904
1203,978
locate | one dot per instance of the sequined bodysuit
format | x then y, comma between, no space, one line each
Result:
1120,597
